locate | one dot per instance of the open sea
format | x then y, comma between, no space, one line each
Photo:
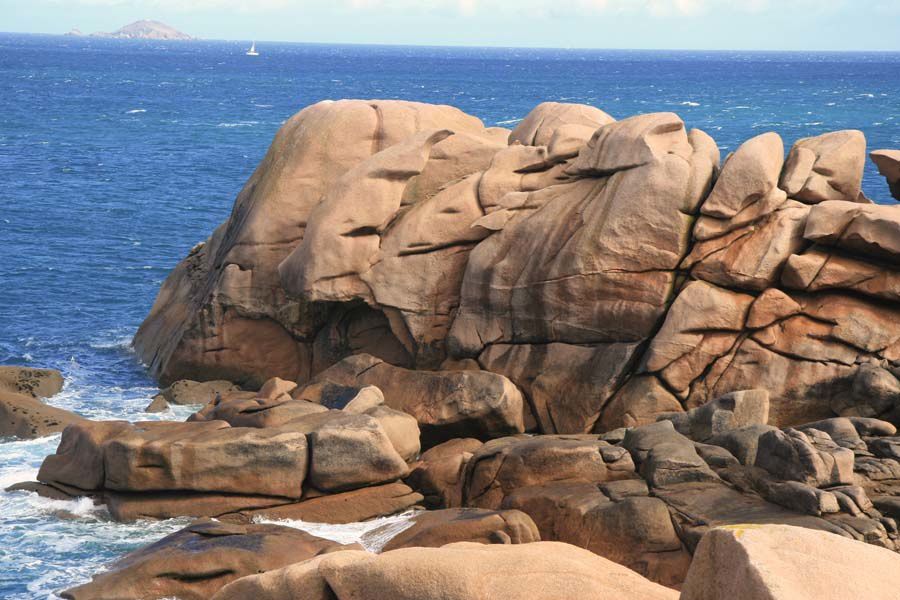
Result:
116,157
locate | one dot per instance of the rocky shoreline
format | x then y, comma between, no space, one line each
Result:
599,363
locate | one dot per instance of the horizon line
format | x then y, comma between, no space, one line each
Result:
473,46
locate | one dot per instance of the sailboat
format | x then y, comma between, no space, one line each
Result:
252,51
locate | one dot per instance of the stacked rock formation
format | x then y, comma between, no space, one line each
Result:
582,331
608,269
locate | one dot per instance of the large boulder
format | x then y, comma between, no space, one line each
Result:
595,264
165,469
439,475
779,562
446,404
223,313
462,571
187,391
351,451
826,167
26,417
810,457
888,163
617,520
871,230
436,528
195,562
732,411
206,457
502,466
30,381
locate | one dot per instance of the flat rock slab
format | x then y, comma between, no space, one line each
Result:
347,507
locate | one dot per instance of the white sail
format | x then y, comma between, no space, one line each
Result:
252,51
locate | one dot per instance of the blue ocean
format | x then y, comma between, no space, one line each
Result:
116,157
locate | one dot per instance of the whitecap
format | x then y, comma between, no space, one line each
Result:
689,103
509,122
371,535
135,111
238,124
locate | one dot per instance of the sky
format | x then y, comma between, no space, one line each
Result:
638,24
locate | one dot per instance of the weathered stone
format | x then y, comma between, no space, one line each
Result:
732,411
868,426
223,312
37,383
810,457
749,179
633,530
826,167
639,402
716,457
866,229
841,430
206,457
27,417
127,507
743,442
817,270
461,571
750,256
401,428
78,461
186,391
702,325
875,391
798,496
157,405
888,163
664,456
599,237
567,385
244,409
194,563
351,451
501,466
345,507
433,529
440,472
779,562
563,128
446,404
167,457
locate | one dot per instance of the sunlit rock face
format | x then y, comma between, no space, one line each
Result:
610,271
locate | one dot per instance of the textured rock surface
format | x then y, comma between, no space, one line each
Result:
194,563
37,383
433,529
223,313
888,162
777,562
446,404
462,571
26,417
589,321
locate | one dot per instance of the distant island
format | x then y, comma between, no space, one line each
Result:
140,30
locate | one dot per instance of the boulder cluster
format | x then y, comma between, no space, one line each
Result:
600,363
